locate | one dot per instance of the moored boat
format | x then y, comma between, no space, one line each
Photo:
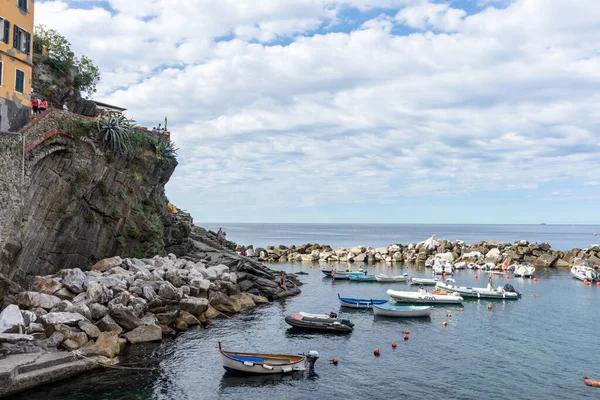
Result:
506,292
361,277
441,267
359,303
524,271
327,272
388,310
259,363
319,322
391,278
335,274
591,382
423,297
585,272
424,281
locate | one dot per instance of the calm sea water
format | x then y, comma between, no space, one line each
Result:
532,348
560,237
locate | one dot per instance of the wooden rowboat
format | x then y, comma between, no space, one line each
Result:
361,277
388,310
591,382
392,278
359,303
259,363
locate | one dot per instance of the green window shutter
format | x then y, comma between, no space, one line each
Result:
16,37
23,4
6,31
27,42
1,77
20,82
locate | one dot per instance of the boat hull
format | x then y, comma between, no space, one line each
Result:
402,311
423,298
359,303
423,281
262,364
585,273
479,293
316,325
390,279
362,278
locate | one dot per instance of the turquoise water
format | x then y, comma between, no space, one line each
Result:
532,348
560,237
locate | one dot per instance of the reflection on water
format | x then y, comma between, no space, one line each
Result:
230,379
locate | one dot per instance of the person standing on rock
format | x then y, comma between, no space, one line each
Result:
43,106
220,236
224,239
35,103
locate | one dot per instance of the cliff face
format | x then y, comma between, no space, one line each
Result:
81,204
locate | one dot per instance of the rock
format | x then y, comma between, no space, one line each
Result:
107,344
211,313
167,290
149,319
546,260
148,293
229,288
258,299
98,311
225,304
188,318
360,258
180,325
561,264
122,299
46,285
67,318
246,285
74,279
142,334
493,256
64,294
175,276
34,327
55,339
70,345
90,329
106,264
62,306
15,337
245,300
29,317
194,305
80,308
124,316
96,293
107,324
219,269
168,317
29,300
11,320
210,274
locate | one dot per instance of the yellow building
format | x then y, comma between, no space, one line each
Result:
16,60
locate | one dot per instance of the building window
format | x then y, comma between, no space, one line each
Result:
20,81
22,4
1,71
4,30
22,40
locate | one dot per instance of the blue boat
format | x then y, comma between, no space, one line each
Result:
361,277
327,272
359,303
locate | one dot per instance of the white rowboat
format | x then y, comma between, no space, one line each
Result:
258,363
423,297
388,310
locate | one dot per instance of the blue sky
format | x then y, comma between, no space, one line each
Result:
470,111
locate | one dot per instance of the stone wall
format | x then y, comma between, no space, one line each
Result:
11,199
13,116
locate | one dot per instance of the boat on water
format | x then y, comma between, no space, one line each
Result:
585,271
359,303
361,277
460,265
391,278
423,297
524,271
327,272
319,322
424,281
335,274
441,267
506,292
389,310
591,382
259,363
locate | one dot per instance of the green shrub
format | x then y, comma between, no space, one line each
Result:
133,232
115,132
138,208
155,224
165,149
136,176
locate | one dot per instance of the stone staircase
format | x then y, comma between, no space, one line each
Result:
24,371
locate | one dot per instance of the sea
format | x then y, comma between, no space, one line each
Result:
537,347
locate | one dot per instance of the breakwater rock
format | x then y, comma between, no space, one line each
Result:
540,255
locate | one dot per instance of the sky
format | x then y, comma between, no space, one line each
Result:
372,111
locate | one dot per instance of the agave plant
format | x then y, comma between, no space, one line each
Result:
166,149
115,130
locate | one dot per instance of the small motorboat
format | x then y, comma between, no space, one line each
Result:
585,272
506,292
591,382
319,322
391,278
362,277
524,271
441,267
335,274
424,297
258,363
327,272
359,303
388,310
424,281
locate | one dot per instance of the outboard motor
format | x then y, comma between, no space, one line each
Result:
347,322
311,358
509,288
332,315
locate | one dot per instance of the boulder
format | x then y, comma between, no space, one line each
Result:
55,339
29,300
168,317
106,264
560,263
180,325
107,324
245,300
122,299
29,317
211,313
15,337
546,260
167,290
73,279
34,327
80,308
148,293
64,294
96,293
107,344
70,345
225,304
258,299
98,311
194,305
66,318
142,334
360,258
11,320
46,285
493,256
188,318
124,316
90,329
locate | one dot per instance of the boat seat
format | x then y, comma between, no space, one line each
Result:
246,358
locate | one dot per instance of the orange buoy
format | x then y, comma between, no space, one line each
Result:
443,274
489,306
444,323
597,283
535,279
407,267
394,345
405,337
460,309
535,296
475,277
587,283
334,361
406,332
507,277
376,352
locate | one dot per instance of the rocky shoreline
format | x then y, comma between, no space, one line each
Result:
540,255
75,320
